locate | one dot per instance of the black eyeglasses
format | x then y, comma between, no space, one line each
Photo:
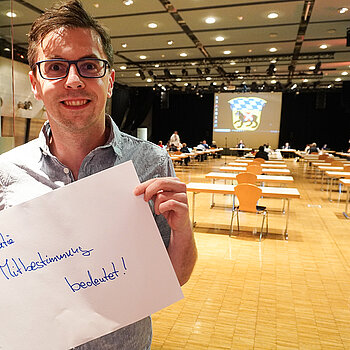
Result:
59,69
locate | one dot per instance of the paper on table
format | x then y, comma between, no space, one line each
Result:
80,262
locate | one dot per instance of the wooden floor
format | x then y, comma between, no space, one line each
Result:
273,294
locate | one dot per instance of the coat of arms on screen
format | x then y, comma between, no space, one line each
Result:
246,112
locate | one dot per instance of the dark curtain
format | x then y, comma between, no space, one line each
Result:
191,115
322,117
130,107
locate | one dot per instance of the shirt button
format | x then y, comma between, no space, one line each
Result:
66,170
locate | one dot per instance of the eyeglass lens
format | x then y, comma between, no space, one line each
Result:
93,68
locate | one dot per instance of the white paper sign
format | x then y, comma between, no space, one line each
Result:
80,262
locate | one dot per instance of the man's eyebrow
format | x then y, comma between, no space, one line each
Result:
55,57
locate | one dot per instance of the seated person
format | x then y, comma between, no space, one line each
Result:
262,154
205,144
240,144
313,148
184,149
172,148
201,147
286,146
213,144
160,144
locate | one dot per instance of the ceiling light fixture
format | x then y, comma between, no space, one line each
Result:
96,5
128,2
124,45
210,20
272,49
219,38
311,67
343,10
143,57
232,63
272,15
11,14
227,52
152,25
273,61
149,80
240,18
338,79
294,86
273,81
323,46
170,42
183,54
122,67
156,65
344,73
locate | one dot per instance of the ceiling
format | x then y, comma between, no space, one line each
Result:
248,34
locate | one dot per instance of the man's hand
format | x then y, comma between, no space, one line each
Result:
170,199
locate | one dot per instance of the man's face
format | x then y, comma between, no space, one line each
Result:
73,103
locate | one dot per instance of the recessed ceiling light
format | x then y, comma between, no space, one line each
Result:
210,20
273,35
323,46
97,5
215,83
149,80
156,65
227,52
137,74
331,30
232,63
236,71
183,54
240,77
152,25
273,81
122,67
7,49
272,15
143,57
305,80
193,63
124,45
128,2
11,14
250,50
312,67
185,84
178,79
272,49
208,78
338,79
344,73
170,42
162,56
343,10
273,61
329,86
240,18
219,38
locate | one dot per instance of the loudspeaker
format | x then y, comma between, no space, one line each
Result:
320,100
348,37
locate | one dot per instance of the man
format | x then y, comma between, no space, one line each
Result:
71,57
175,139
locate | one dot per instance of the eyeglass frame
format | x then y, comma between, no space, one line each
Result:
70,62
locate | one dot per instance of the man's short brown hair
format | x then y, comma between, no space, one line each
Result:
69,14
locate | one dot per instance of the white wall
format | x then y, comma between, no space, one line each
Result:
23,91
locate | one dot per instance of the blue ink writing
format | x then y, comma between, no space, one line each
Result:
15,267
93,281
5,241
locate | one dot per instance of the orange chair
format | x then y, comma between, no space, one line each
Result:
347,168
323,156
336,163
248,196
255,169
246,178
260,160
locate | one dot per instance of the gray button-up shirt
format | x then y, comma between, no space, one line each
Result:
30,170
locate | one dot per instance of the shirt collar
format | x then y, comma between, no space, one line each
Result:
114,139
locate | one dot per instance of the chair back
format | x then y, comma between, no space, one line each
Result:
336,163
260,160
255,169
347,168
246,178
248,196
323,156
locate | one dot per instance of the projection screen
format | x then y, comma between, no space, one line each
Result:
251,117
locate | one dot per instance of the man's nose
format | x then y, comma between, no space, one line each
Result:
73,79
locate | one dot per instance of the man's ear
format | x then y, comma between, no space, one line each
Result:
35,85
111,83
